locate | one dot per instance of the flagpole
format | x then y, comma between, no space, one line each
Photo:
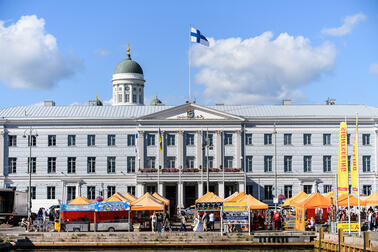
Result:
189,62
358,180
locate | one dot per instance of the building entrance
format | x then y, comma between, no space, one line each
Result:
189,195
171,195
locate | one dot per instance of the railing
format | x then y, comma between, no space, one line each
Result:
186,170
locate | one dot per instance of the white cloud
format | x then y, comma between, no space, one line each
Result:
30,57
346,27
260,69
102,52
373,69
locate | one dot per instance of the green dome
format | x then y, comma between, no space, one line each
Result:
128,66
156,102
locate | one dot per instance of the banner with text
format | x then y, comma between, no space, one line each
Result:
354,170
343,160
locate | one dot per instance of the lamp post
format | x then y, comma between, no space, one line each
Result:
208,147
275,167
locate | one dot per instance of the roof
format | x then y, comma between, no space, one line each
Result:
128,66
130,197
235,196
209,197
353,201
147,203
299,196
161,198
315,200
372,200
81,200
253,203
116,197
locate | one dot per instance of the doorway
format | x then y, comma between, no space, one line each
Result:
189,195
171,195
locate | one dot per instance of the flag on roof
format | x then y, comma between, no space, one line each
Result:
198,37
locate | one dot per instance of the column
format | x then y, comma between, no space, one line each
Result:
180,194
200,189
160,188
78,191
221,190
180,149
141,138
241,187
139,190
199,149
238,144
2,151
162,153
218,152
63,193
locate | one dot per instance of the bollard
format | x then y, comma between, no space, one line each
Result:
340,238
321,237
366,241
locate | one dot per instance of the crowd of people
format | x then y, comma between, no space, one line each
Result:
40,221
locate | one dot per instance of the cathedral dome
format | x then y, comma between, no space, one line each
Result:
128,66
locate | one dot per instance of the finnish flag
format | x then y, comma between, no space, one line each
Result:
196,36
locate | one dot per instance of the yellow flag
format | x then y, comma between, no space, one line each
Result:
354,170
343,160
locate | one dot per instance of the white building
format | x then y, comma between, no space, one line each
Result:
94,150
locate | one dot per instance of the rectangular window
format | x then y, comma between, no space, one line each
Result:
12,141
91,140
51,164
134,98
227,139
151,162
127,97
111,164
189,162
249,189
288,191
326,163
51,192
33,164
120,98
228,162
130,164
288,161
287,139
71,193
267,139
306,139
307,189
268,163
12,165
91,192
211,138
327,188
150,139
33,192
171,140
33,141
91,164
189,139
326,139
365,139
366,190
268,192
171,162
151,189
51,139
131,190
249,163
71,141
366,163
248,139
111,140
348,139
349,162
307,160
131,140
71,165
111,190
211,162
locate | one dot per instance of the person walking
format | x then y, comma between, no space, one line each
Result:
153,222
166,225
205,220
211,221
197,224
182,223
159,222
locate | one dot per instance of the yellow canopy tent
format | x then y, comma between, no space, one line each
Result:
116,197
253,203
209,197
299,196
147,203
161,198
236,196
371,200
81,200
130,197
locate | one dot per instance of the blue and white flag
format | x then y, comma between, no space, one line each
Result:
196,36
136,143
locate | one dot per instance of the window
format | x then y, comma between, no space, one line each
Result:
127,98
150,139
111,140
119,97
111,164
228,162
307,160
131,140
33,192
171,140
91,164
349,162
326,139
33,141
211,138
171,162
91,140
211,162
306,139
307,189
111,190
348,139
189,139
366,189
288,191
12,141
134,98
227,139
131,190
327,188
12,165
51,192
71,193
33,164
248,163
51,139
189,162
140,98
249,189
268,163
288,160
51,164
151,162
267,139
326,163
365,139
366,163
71,140
130,164
268,192
248,139
151,189
287,139
71,164
91,192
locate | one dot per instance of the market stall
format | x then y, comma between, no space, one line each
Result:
209,202
116,197
371,200
257,208
234,197
235,217
77,210
299,196
129,197
162,199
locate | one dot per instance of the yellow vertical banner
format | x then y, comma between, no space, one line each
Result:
354,170
343,160
300,223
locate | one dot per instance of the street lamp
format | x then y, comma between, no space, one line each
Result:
208,146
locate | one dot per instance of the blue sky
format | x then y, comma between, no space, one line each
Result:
260,51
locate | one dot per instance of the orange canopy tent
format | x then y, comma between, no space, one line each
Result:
81,200
116,197
371,200
236,196
253,203
330,195
299,196
130,197
147,203
353,201
315,200
209,197
161,198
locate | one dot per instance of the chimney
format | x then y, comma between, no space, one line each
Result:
331,101
286,102
49,103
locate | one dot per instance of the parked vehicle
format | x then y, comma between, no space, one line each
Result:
100,227
13,205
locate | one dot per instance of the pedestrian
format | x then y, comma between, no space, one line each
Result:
167,225
182,223
153,222
159,218
197,223
211,221
205,220
276,218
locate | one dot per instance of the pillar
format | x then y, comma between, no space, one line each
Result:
200,189
199,149
239,149
160,188
141,139
218,151
63,193
241,187
180,149
180,194
139,190
221,190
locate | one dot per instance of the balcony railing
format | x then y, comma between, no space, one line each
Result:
186,170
